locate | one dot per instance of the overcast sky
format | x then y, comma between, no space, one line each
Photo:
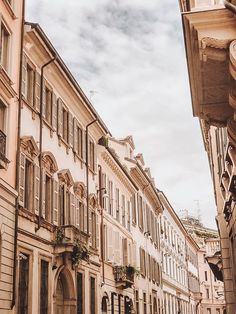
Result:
130,54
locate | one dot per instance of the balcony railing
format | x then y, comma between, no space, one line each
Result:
124,276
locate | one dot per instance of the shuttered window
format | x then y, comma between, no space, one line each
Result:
23,292
44,288
80,291
123,209
110,200
4,51
117,204
133,204
78,139
92,295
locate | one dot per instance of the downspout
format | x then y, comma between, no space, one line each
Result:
230,6
41,143
18,161
87,171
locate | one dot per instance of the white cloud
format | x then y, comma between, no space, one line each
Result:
132,54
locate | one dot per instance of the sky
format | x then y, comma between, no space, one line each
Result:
129,58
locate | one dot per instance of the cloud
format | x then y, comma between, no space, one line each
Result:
131,53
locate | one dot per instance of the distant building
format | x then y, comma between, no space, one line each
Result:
212,290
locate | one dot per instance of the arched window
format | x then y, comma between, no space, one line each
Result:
66,198
80,209
105,304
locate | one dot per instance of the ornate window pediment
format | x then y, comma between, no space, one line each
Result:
29,146
49,162
93,201
66,177
80,189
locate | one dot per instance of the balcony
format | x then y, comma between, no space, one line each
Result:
124,276
3,159
65,238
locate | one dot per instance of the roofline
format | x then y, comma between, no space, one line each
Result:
70,76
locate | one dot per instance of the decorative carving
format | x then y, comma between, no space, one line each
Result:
66,177
49,162
29,146
80,189
93,201
215,43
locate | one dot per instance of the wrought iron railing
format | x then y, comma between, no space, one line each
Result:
3,138
124,275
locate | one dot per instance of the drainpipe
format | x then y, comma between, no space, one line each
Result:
41,144
13,302
87,171
230,6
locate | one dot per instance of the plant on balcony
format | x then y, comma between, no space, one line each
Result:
131,270
103,141
59,235
80,252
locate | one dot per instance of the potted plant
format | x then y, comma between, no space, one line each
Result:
59,235
80,252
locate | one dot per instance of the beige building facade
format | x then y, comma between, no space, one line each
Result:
11,23
209,30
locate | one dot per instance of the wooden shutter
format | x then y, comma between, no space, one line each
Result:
95,157
43,195
24,76
84,145
37,91
54,111
85,219
60,117
76,136
55,202
110,243
134,254
125,251
36,188
77,212
44,99
22,180
72,209
116,245
70,129
97,231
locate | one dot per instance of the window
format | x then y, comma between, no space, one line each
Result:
79,141
137,301
91,154
23,284
142,262
207,293
208,311
92,295
205,275
80,289
150,304
30,84
133,202
140,211
4,49
123,209
117,204
128,213
65,124
29,185
110,193
144,303
93,230
44,288
2,130
48,105
48,186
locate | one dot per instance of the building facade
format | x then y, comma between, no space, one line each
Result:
11,23
211,288
209,30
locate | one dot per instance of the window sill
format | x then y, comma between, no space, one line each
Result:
9,9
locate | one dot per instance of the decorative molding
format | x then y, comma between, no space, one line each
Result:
80,189
66,177
29,146
93,201
49,162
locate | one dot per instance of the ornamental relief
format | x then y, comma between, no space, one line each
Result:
29,147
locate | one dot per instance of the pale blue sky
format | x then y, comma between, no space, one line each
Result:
131,54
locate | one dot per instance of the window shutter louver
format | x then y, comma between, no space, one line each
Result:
77,212
37,91
75,142
43,195
125,251
54,112
110,243
24,76
134,254
84,145
36,188
85,220
72,209
44,99
60,117
97,231
22,180
117,247
71,130
95,158
55,202
90,227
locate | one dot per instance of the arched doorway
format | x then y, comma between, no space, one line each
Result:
64,298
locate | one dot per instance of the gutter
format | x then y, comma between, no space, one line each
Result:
41,143
13,302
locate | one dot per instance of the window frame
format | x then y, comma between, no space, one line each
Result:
3,25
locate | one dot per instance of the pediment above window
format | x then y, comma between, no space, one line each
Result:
93,201
29,146
49,162
66,177
80,189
